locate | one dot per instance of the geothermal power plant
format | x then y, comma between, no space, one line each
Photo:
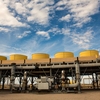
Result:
64,72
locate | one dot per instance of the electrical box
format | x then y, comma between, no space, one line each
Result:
43,86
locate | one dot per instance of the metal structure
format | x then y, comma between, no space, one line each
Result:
61,73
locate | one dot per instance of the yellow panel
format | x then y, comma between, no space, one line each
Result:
61,60
89,53
40,56
64,55
3,58
17,57
9,62
38,61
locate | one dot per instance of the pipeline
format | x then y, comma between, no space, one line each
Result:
24,85
12,75
77,77
0,77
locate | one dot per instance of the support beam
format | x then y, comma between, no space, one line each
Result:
3,82
96,81
20,80
93,81
50,72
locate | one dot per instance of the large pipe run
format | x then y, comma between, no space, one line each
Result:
0,78
12,75
24,86
77,77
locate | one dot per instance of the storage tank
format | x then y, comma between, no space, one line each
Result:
40,56
64,55
89,53
18,57
3,58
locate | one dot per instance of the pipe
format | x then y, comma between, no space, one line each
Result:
77,77
50,72
24,86
17,67
12,75
72,85
0,77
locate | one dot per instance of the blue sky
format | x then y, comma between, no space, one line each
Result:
49,26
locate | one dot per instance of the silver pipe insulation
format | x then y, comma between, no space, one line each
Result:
77,77
12,76
24,86
0,77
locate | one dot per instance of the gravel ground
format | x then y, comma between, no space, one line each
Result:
85,95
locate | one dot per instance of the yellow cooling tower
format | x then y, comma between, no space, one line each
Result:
3,58
89,53
40,56
64,55
17,57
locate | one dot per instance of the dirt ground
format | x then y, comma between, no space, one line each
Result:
84,95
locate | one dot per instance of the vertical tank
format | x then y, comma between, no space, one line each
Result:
89,53
3,58
18,57
64,55
40,56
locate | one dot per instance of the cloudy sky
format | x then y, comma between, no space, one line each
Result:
49,26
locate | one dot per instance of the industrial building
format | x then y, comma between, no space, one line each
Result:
64,72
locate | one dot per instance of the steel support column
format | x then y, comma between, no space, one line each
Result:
93,81
50,72
96,81
3,82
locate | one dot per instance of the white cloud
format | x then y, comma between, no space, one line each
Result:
4,29
60,8
40,12
7,19
66,31
28,48
44,34
21,9
81,22
54,30
40,16
61,3
13,48
80,11
83,40
66,18
26,33
34,11
7,50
